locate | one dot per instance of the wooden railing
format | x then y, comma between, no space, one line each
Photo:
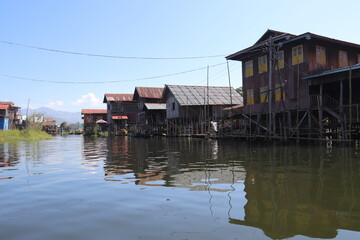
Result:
324,100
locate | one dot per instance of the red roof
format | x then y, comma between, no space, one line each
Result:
93,111
49,120
119,117
118,97
101,121
6,103
148,92
4,106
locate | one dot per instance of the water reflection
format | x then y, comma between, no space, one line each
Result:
289,190
302,191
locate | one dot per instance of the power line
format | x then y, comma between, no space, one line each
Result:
101,82
109,56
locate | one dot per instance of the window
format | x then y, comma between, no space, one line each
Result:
358,58
262,64
264,94
280,60
343,59
249,68
279,92
250,96
320,55
297,55
173,106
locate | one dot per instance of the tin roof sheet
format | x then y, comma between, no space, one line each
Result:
118,97
119,117
283,38
155,106
93,111
197,95
2,106
339,70
148,92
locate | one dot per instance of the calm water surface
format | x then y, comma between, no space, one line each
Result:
127,188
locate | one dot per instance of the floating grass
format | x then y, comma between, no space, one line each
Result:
18,135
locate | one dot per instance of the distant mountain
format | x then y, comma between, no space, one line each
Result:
59,116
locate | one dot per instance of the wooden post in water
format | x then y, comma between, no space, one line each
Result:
350,102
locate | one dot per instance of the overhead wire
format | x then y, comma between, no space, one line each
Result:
114,81
109,56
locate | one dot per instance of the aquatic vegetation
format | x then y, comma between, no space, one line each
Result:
28,134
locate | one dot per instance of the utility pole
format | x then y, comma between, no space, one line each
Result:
27,114
231,102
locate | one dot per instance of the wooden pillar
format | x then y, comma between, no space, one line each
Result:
320,105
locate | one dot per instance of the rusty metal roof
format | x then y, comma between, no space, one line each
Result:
198,95
119,117
49,120
6,103
93,111
283,38
118,97
148,92
2,106
155,106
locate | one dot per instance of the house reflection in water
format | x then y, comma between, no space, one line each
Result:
304,194
191,164
8,159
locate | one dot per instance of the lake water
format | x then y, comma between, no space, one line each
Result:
168,188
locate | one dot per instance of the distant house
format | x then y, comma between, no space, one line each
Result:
92,117
49,125
151,115
297,75
189,108
122,111
8,115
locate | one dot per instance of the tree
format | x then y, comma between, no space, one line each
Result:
240,91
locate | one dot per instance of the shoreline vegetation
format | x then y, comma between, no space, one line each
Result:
23,135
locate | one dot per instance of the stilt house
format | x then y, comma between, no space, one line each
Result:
8,115
94,117
190,108
298,86
122,111
151,115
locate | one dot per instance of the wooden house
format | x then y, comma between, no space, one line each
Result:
189,109
93,117
280,99
122,111
8,115
151,115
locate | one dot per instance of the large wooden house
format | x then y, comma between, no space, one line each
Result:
8,115
122,111
292,85
189,109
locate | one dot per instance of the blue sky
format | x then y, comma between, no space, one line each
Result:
143,28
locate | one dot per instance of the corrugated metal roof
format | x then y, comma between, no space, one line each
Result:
6,103
345,69
155,106
118,97
119,117
284,39
197,95
149,92
93,111
4,107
